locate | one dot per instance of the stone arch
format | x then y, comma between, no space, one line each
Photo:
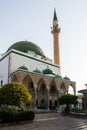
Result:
53,95
42,94
14,78
28,82
70,89
63,88
40,81
53,87
73,86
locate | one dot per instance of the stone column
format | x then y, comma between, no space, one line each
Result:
58,105
74,90
74,87
35,86
48,97
20,76
57,100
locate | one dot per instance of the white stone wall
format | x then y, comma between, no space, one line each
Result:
79,103
12,61
4,63
31,63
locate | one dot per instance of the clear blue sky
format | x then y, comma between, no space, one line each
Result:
32,20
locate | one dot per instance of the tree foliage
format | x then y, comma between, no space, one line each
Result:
68,99
14,94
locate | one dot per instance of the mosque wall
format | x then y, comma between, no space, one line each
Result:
31,63
4,70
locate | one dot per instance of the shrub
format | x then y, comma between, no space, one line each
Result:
25,115
77,110
14,94
8,115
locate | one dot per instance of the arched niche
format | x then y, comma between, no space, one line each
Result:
63,88
53,95
28,82
53,87
42,94
41,82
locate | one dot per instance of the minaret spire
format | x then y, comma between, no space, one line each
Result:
55,31
55,16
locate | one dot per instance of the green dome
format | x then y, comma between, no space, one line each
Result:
23,68
37,71
58,76
25,46
47,71
66,78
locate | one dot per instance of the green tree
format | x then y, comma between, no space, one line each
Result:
14,94
68,99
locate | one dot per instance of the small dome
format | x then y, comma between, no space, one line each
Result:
37,71
58,76
23,67
66,78
47,71
25,46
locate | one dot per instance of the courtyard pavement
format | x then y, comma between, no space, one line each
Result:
50,121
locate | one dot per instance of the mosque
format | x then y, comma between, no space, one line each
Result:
26,63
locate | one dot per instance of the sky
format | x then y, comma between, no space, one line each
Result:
31,20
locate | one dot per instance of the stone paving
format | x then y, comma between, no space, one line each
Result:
51,121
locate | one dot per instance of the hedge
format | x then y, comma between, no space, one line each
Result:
8,115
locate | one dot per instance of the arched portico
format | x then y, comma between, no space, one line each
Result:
44,90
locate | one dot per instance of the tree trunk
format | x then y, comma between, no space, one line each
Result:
67,109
